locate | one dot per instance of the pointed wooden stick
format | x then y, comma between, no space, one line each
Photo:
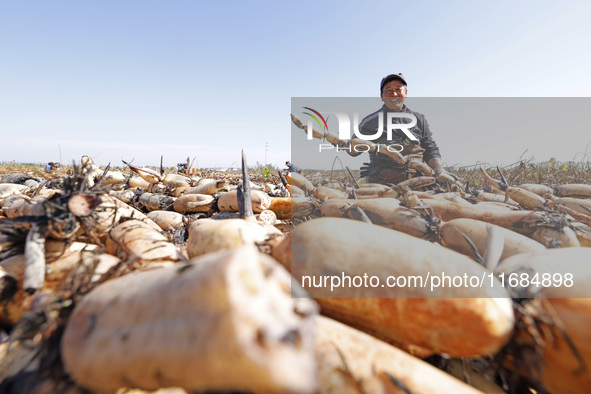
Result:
502,177
352,177
244,197
283,180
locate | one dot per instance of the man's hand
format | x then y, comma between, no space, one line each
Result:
443,176
409,149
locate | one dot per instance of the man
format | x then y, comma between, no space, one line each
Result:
383,169
291,167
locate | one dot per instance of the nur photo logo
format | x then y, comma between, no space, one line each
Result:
347,130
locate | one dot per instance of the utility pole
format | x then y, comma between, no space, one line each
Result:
266,150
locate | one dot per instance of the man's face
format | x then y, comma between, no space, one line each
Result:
393,95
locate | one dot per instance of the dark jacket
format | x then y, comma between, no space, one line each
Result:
369,126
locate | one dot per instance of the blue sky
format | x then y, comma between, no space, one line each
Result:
131,79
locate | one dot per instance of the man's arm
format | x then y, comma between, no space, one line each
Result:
435,163
432,155
430,146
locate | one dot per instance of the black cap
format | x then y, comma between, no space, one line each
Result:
392,77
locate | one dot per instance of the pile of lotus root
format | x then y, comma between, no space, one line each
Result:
140,281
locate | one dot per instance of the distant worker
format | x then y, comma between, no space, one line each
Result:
52,166
291,167
382,168
182,168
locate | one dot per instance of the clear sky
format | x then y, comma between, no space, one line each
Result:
137,79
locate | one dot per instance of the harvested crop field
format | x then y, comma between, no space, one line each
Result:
148,280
